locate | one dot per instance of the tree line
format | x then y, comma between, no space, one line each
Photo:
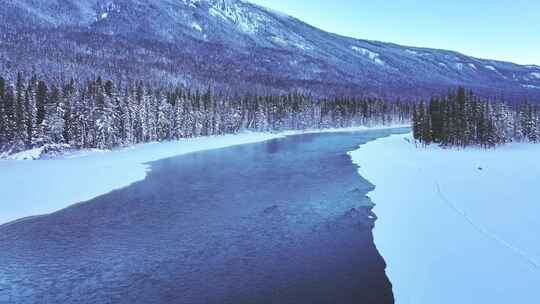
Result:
103,114
463,119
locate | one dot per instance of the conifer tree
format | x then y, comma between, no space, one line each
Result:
3,118
41,100
9,115
417,124
53,124
29,111
20,129
100,114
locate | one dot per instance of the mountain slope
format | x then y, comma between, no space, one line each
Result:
235,44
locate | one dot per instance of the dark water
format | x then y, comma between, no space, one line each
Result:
284,221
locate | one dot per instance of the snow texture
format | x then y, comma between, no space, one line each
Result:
27,155
375,57
535,75
196,26
38,187
456,226
412,52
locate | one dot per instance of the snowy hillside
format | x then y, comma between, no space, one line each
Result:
456,226
235,44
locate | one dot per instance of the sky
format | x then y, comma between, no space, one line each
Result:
506,30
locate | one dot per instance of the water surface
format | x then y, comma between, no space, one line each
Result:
283,221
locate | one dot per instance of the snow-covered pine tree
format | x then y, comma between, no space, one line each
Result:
107,123
138,112
20,130
530,123
29,114
41,99
436,119
423,124
416,124
53,124
3,118
10,117
164,113
68,94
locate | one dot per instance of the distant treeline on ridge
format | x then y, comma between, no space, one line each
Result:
102,114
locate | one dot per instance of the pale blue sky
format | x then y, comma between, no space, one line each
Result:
493,29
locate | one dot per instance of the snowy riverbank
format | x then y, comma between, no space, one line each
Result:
456,226
44,186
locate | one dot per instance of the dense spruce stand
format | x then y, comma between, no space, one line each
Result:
463,119
102,114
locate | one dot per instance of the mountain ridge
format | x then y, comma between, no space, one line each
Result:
236,44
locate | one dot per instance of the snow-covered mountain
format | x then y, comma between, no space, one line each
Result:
236,44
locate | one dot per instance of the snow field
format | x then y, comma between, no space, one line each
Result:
456,226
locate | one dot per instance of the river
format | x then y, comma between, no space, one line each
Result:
282,221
